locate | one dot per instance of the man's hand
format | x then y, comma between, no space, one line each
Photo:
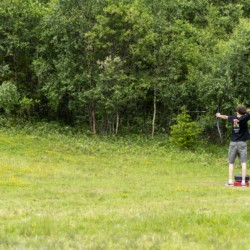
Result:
236,121
218,115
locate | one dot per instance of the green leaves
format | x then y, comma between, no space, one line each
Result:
9,96
185,133
101,61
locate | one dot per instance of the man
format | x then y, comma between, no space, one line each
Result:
238,146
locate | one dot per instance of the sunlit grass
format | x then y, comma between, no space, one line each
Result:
62,192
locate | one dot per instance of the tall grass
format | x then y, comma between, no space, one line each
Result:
72,191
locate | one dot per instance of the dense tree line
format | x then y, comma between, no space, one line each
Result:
128,65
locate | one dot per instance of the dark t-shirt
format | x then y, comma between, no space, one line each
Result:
240,127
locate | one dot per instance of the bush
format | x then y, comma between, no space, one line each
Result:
185,133
9,96
27,106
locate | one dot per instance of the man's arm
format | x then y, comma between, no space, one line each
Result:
224,117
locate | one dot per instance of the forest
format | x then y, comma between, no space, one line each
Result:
127,66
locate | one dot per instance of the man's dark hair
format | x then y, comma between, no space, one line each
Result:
241,110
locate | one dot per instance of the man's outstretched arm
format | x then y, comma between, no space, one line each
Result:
224,117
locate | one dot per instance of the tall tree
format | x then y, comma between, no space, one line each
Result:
65,64
18,41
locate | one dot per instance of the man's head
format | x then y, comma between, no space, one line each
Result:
241,110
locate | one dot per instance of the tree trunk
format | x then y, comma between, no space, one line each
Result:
90,53
117,123
154,112
93,121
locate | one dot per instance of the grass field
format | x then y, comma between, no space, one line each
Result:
62,192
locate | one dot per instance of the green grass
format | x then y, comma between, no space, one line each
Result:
80,192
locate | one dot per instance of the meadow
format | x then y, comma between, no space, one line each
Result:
80,191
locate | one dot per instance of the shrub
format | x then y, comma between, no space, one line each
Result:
27,106
9,96
185,133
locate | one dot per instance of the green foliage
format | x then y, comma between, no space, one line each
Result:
185,133
9,96
237,57
27,106
227,83
19,37
115,64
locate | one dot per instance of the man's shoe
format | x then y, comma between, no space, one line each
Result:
243,185
229,184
